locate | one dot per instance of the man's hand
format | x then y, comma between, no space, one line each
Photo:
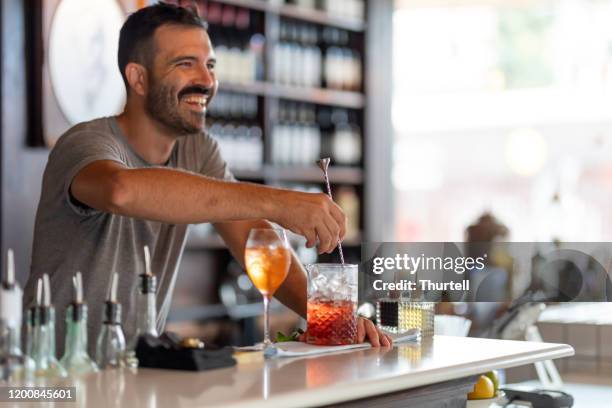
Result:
314,216
367,329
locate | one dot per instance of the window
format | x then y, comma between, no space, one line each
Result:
503,106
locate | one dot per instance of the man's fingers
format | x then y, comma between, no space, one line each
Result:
340,219
311,238
332,227
385,340
372,333
325,238
360,330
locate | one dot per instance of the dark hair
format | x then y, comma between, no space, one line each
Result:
136,36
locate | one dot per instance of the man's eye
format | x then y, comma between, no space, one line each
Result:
185,64
211,66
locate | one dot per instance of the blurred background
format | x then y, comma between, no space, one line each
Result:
502,106
437,115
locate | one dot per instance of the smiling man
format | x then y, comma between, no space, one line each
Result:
116,184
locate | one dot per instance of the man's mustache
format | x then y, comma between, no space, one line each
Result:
195,89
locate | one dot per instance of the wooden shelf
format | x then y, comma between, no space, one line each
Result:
319,17
321,96
310,174
300,13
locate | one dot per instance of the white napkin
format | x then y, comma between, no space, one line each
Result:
297,348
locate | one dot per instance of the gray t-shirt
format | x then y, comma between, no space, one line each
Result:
70,237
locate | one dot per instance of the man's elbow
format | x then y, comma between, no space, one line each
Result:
119,195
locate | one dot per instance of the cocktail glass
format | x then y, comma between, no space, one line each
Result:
267,258
332,304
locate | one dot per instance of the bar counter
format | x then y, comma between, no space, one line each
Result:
406,375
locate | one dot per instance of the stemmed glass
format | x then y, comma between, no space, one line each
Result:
267,258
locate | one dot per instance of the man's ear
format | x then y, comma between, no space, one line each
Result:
136,75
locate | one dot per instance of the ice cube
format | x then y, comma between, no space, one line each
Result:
335,284
319,283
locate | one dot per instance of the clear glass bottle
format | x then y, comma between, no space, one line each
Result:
147,309
31,319
41,333
146,316
43,346
110,348
14,365
76,360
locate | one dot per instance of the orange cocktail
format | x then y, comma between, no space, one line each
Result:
267,257
267,267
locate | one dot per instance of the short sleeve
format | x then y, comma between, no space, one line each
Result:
75,151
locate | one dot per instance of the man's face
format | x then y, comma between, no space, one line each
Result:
181,78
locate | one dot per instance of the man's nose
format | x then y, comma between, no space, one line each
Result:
206,77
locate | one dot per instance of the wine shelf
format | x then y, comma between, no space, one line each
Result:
344,99
300,13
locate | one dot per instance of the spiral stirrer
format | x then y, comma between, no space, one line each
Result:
324,164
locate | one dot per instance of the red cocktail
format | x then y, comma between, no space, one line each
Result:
332,322
332,304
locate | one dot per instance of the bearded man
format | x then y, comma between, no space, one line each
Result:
116,184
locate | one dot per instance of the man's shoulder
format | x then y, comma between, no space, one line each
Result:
100,127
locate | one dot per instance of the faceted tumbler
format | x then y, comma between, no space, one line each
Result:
332,304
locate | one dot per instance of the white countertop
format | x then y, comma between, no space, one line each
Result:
301,382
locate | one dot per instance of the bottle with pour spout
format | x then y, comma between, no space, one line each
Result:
146,314
14,365
42,320
76,360
110,347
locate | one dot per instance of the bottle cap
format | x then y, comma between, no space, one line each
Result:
44,314
112,312
77,311
148,284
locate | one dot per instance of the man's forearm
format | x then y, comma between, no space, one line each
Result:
292,293
179,197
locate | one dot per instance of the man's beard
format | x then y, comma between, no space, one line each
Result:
162,104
